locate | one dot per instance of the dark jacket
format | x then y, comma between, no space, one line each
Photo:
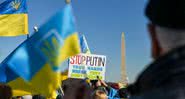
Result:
163,79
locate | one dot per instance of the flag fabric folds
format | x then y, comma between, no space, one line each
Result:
37,60
18,85
84,48
84,45
13,18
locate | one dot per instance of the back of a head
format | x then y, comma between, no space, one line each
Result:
19,97
99,94
169,18
123,93
166,13
59,96
77,89
38,97
5,92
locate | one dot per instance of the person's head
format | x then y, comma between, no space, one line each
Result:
5,92
59,97
166,26
19,97
38,97
123,93
98,83
99,94
77,89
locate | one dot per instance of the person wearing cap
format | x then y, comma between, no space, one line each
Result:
165,77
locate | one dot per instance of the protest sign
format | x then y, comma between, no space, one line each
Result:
87,65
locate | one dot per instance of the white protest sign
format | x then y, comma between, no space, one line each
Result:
87,65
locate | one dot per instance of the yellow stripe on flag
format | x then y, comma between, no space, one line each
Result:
50,78
71,44
21,88
13,24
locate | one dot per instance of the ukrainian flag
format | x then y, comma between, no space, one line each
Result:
84,45
18,85
84,49
38,59
13,18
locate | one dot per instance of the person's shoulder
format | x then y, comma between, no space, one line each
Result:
163,93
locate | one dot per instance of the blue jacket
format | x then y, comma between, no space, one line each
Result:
112,93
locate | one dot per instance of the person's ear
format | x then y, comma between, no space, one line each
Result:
156,48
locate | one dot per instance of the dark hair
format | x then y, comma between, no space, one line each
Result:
38,97
5,92
93,82
77,89
59,96
123,93
166,13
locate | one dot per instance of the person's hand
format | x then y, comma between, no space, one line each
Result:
98,83
103,83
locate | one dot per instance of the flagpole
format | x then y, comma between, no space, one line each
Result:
35,28
27,36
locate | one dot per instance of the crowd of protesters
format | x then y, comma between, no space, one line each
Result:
163,79
76,89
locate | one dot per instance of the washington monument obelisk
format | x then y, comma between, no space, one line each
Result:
124,78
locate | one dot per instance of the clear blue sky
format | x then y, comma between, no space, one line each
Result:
102,22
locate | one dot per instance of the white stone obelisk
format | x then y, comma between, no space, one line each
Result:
124,78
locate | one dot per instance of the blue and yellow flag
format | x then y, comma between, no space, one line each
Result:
37,60
84,49
9,77
18,85
13,18
84,46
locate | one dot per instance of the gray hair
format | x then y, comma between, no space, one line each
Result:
170,38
